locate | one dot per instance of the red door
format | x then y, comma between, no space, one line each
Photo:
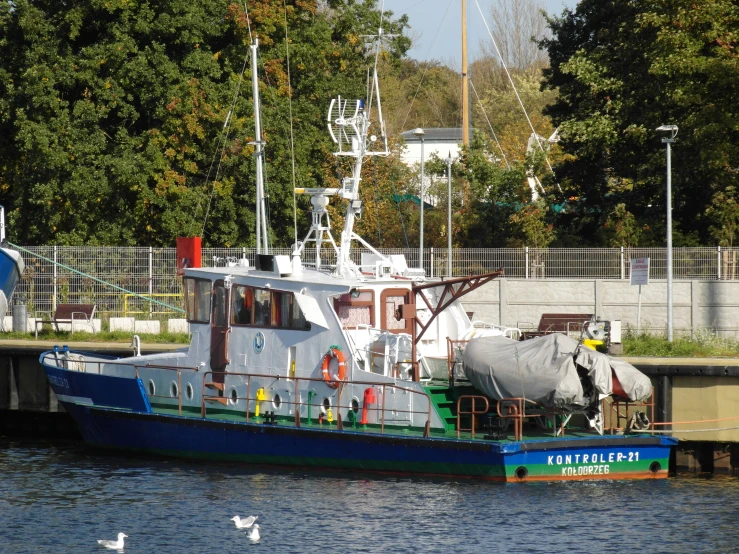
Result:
219,330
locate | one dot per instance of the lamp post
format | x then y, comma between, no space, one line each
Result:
672,129
419,133
449,215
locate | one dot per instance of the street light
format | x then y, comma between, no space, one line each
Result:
672,129
419,133
449,215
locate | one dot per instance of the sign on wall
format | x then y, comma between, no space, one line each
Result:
639,271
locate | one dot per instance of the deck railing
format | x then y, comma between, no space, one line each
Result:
297,404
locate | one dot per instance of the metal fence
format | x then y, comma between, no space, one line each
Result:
152,272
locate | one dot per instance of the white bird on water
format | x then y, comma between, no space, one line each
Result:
113,545
254,533
244,523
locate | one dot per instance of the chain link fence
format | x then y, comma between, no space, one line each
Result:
152,272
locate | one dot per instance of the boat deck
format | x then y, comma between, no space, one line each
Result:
531,432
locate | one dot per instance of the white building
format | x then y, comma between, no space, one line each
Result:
441,141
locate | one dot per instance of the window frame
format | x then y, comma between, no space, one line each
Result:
273,316
340,301
195,304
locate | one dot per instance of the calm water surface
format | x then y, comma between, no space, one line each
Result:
61,497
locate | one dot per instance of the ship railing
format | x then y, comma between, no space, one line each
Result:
510,332
473,411
368,407
76,361
515,409
623,410
168,368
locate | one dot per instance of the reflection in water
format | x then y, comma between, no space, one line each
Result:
60,497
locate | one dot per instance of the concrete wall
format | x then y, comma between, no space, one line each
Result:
696,304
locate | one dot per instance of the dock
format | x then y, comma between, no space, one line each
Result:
699,395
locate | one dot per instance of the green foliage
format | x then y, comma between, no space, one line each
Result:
724,211
703,345
112,113
103,336
622,69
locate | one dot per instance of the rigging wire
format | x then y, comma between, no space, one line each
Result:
88,276
482,107
292,139
400,213
510,80
415,95
223,137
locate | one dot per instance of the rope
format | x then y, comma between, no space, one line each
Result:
697,421
510,80
292,136
95,278
415,95
485,113
692,430
222,139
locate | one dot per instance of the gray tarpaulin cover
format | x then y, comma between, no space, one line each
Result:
542,369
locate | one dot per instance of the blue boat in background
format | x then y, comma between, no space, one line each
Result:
11,267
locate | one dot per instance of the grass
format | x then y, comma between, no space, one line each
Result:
103,336
703,344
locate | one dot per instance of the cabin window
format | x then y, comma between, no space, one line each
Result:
219,307
390,302
242,305
266,308
356,308
197,300
262,307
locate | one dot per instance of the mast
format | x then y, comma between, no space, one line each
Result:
465,82
262,237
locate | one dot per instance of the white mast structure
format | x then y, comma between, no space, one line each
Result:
262,236
349,122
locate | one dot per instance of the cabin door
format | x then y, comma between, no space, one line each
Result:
219,330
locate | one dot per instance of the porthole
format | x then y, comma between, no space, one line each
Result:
355,404
152,388
174,391
234,396
189,391
521,473
655,467
276,401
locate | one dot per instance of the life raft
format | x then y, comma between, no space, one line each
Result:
333,352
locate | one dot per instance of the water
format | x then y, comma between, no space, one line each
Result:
61,497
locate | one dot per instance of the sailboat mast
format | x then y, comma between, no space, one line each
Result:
262,237
465,82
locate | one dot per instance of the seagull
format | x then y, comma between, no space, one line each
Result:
114,545
254,533
244,523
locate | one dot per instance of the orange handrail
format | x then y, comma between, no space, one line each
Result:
472,412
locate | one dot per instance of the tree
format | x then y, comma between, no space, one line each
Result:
112,113
623,68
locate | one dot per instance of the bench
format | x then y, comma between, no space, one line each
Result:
82,314
555,323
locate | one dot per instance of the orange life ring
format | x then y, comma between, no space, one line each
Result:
334,352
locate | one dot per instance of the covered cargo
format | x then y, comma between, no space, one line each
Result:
554,370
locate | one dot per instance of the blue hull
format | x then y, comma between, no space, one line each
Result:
124,421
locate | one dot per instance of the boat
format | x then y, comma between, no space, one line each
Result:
347,363
11,267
